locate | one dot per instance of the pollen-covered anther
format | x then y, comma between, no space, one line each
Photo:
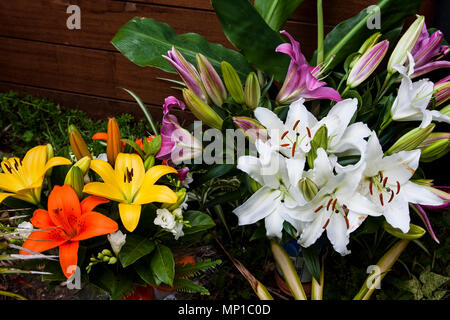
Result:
296,124
309,132
381,199
326,224
392,196
347,222
318,209
284,135
398,187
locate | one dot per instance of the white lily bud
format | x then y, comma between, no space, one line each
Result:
117,240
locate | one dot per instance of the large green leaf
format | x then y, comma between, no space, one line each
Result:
163,264
276,12
199,221
248,32
135,248
350,34
145,40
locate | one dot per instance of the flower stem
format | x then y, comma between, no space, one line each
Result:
380,270
320,48
289,273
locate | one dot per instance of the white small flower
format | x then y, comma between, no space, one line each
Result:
188,180
25,229
177,231
164,219
117,240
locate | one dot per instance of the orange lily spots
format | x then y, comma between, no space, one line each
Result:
66,223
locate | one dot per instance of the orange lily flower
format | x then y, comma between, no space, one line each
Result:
67,222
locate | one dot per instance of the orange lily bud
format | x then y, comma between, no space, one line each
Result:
77,143
113,143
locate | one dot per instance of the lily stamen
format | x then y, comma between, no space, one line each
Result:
328,205
385,181
326,224
381,199
347,222
392,196
398,187
318,209
296,124
284,135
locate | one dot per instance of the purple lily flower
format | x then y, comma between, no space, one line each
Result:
301,81
177,144
442,91
187,72
427,51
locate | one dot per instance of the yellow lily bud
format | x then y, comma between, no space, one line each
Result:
181,194
74,178
252,91
113,143
83,164
411,140
201,110
77,143
405,44
232,82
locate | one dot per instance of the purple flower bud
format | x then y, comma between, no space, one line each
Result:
211,80
187,72
251,128
367,64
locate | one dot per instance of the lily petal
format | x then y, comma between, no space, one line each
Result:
337,233
155,193
419,194
397,214
154,173
105,190
41,219
261,204
95,224
104,170
130,214
68,257
89,203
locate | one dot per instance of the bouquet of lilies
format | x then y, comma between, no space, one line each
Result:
331,143
103,197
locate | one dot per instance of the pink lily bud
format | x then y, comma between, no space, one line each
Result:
367,64
187,72
251,128
211,80
442,91
427,51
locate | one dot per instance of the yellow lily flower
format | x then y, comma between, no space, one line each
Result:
130,185
22,178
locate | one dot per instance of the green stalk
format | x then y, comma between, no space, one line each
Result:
316,287
383,266
289,273
12,295
320,47
147,114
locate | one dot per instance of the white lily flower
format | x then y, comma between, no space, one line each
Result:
413,99
293,138
338,206
386,183
276,201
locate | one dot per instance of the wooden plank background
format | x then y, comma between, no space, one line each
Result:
81,69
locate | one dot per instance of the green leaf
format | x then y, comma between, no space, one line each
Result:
320,140
116,284
144,110
163,264
312,261
185,285
144,41
199,221
213,173
134,145
276,12
191,270
135,248
248,32
144,270
431,281
350,34
152,147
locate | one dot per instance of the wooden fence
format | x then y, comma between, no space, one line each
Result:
39,55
